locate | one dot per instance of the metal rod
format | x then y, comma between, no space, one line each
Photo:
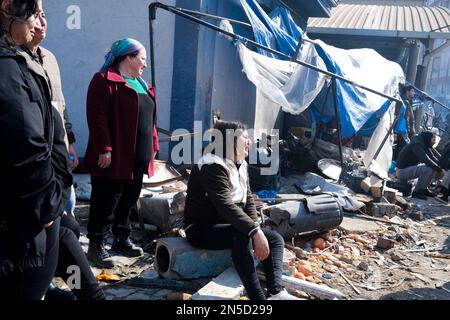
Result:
429,97
338,121
233,21
219,18
246,41
164,131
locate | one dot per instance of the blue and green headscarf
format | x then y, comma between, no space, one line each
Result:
121,48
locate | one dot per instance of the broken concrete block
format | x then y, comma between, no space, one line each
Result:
365,184
363,266
390,194
417,216
178,296
376,192
358,225
383,209
227,286
400,201
384,243
372,184
395,256
163,210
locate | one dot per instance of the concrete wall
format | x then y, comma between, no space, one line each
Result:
197,70
80,32
233,94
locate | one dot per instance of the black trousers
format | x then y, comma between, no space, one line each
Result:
111,203
32,283
68,221
225,236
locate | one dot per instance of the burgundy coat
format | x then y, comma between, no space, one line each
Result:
112,116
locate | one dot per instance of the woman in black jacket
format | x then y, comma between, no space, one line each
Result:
34,164
220,213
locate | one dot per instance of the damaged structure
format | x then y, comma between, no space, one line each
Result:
342,212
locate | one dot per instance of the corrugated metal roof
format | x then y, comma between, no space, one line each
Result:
385,21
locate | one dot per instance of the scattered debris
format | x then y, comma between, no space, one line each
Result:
417,216
384,243
349,282
363,266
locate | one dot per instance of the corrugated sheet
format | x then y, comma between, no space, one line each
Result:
385,21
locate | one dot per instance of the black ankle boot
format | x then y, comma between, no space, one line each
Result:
128,248
56,294
98,255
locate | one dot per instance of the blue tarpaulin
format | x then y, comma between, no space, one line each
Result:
268,33
365,66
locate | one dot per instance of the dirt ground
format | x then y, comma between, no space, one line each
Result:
397,274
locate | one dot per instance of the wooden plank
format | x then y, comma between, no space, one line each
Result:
227,286
317,290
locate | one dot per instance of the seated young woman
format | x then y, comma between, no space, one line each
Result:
220,214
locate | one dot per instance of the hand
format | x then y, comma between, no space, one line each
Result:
441,174
104,160
48,225
74,155
260,245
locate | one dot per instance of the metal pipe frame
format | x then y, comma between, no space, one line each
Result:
427,96
338,121
157,5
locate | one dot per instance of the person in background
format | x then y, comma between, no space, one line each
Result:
43,63
220,214
34,163
407,93
36,54
121,115
418,160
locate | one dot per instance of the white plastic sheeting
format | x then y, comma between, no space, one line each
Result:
380,165
288,84
315,184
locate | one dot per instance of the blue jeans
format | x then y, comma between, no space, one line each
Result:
70,206
225,236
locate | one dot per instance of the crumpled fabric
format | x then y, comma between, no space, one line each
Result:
315,184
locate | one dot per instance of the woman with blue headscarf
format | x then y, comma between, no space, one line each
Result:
121,115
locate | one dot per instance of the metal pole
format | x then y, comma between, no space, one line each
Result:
246,41
152,14
214,17
321,112
431,98
338,121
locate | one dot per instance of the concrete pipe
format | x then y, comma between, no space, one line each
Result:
176,259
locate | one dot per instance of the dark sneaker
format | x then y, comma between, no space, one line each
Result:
429,193
99,256
56,294
419,195
127,247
